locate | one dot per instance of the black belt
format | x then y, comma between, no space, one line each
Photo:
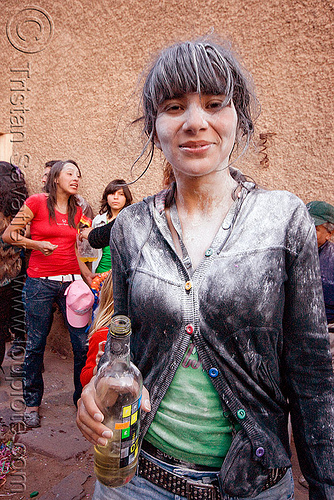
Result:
180,485
161,455
176,484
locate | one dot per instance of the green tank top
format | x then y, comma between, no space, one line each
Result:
105,262
190,424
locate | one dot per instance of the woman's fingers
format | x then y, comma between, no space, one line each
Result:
84,233
98,356
89,417
88,399
102,345
92,430
47,248
51,249
146,405
100,351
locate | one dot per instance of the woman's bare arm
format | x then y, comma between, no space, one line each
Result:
14,234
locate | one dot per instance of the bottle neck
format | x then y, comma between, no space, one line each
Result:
120,347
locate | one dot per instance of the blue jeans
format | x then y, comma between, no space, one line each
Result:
38,296
141,489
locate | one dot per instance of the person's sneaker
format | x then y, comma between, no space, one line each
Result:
32,419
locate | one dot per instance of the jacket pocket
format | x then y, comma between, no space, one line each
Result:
241,475
267,379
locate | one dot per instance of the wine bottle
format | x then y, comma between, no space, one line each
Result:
118,386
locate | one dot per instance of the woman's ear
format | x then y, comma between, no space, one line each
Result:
156,141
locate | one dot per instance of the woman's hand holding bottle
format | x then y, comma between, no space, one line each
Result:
89,417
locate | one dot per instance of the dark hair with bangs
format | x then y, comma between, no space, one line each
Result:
111,188
203,66
51,188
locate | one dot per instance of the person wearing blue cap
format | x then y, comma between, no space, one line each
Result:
322,214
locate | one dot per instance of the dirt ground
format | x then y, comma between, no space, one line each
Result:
54,452
59,461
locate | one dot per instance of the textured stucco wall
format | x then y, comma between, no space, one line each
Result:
82,85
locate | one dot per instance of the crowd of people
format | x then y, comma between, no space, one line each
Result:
222,283
48,225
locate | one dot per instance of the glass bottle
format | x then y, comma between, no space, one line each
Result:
85,251
118,386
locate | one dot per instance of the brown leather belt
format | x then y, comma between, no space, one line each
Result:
188,488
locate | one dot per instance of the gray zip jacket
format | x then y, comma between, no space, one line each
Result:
254,307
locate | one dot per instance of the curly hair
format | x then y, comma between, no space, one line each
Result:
13,193
13,189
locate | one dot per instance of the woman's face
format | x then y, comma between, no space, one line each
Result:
116,200
196,133
68,180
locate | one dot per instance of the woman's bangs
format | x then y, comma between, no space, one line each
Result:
192,71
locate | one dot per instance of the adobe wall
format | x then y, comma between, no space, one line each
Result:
70,72
81,83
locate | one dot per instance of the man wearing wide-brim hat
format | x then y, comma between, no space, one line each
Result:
322,214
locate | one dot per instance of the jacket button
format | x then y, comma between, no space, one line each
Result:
188,285
209,252
226,413
241,414
259,451
213,372
189,329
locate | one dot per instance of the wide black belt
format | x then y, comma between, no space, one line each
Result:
161,455
178,485
182,486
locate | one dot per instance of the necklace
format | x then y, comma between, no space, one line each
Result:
61,210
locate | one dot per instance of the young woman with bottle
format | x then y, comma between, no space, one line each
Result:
220,279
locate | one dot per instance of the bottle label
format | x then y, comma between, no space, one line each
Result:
129,430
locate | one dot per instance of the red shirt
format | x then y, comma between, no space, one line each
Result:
96,338
63,260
